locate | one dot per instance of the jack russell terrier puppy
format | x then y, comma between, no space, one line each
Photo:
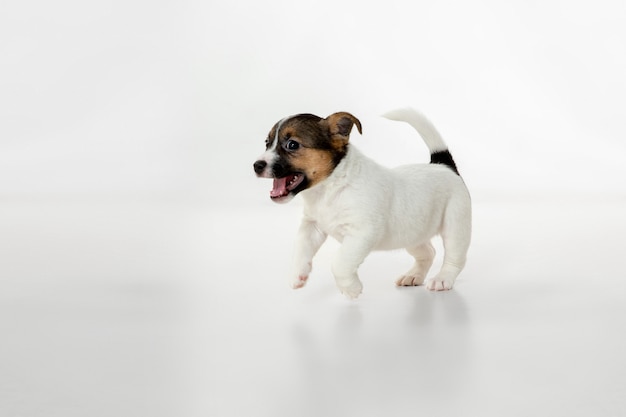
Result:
364,205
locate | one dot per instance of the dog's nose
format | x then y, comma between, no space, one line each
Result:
259,166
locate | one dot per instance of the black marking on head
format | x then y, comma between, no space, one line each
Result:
282,168
444,158
305,129
315,133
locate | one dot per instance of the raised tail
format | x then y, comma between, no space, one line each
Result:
439,153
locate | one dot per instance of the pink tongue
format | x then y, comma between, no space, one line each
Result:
280,187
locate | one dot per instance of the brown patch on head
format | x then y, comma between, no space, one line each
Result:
311,145
316,164
314,155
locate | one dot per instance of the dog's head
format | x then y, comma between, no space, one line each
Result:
303,150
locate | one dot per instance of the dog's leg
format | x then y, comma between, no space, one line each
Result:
351,255
456,236
308,241
452,266
424,255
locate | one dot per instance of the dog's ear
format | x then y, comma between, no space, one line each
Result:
340,124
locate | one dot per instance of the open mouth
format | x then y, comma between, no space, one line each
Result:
285,185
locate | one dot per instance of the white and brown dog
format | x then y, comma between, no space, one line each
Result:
366,206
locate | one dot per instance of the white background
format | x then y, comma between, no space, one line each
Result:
135,97
143,268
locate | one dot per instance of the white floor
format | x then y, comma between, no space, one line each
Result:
173,309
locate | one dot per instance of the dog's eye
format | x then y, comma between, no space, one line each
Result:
291,145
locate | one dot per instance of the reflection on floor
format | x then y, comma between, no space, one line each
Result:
159,309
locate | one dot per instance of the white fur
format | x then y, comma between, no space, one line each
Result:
274,144
270,156
427,131
366,207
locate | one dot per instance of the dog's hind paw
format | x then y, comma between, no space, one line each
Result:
439,284
410,280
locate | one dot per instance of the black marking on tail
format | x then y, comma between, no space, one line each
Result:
444,158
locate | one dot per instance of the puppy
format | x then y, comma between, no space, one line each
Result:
366,206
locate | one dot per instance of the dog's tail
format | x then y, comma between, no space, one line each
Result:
439,153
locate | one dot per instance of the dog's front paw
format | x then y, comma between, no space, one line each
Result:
301,275
299,282
353,290
439,284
